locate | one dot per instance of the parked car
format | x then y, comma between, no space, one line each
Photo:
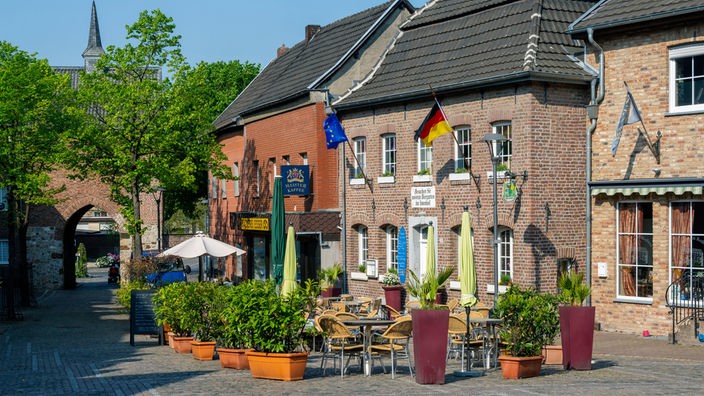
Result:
170,270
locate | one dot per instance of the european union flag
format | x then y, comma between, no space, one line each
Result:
334,134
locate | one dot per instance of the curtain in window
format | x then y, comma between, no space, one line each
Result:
629,219
680,243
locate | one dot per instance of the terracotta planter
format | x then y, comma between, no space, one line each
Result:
430,344
233,358
331,292
392,294
182,344
277,366
203,350
520,367
577,334
170,338
552,354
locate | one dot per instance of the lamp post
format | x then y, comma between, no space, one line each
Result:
491,140
158,195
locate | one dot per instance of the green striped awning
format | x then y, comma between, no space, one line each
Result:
627,189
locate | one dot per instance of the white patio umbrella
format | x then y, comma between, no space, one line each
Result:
200,245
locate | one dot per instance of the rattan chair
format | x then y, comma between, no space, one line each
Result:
366,305
340,341
374,308
339,306
395,344
458,343
391,312
411,305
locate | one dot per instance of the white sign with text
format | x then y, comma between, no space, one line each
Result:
423,197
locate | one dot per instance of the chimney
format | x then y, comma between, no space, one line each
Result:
311,30
281,50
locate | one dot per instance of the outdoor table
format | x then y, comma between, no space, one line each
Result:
328,300
367,336
353,305
491,323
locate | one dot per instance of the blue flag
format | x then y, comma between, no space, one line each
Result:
334,134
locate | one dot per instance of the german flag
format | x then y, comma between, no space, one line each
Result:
433,126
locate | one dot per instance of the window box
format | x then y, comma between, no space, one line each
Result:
386,179
357,181
422,178
455,285
360,276
490,288
459,176
499,175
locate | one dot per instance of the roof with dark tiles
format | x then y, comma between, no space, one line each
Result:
292,74
453,44
608,14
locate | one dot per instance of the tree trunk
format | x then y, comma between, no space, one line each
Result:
137,236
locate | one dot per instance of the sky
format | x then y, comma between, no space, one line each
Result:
211,30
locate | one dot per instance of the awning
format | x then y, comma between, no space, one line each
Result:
646,186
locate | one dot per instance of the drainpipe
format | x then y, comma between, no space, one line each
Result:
593,113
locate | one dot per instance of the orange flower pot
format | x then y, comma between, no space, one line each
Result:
277,366
203,350
233,358
520,367
182,344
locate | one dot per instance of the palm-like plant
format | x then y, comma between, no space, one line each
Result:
574,291
426,289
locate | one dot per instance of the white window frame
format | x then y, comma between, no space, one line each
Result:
689,51
505,251
304,158
257,178
463,134
637,264
362,244
4,252
388,155
360,151
223,188
425,157
505,150
214,187
236,183
391,247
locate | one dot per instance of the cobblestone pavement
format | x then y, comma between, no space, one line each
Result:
77,342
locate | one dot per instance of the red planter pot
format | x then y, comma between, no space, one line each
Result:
430,344
392,294
331,292
577,334
233,358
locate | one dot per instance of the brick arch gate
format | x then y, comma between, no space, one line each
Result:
50,236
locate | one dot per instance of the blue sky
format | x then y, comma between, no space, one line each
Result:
211,30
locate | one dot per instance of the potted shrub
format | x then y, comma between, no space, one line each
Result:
276,324
170,306
202,317
576,323
530,322
328,277
392,289
234,340
429,327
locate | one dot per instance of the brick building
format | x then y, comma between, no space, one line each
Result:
505,68
648,208
278,120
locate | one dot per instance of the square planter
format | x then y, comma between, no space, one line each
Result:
422,178
356,275
490,288
459,176
386,179
277,366
357,181
499,175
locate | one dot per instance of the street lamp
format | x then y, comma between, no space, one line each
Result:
158,194
492,140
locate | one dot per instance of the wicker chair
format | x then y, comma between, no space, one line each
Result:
341,341
374,308
395,343
392,313
457,340
366,304
338,306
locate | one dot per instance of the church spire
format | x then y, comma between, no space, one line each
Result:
95,48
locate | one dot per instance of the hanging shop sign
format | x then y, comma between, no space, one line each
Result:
509,191
295,180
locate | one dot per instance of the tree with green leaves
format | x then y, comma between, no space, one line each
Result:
34,113
141,130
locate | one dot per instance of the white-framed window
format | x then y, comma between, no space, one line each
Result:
257,178
634,272
4,252
285,160
425,157
388,157
360,151
686,245
362,244
463,151
505,252
236,174
504,150
687,78
223,188
3,200
214,187
304,158
391,247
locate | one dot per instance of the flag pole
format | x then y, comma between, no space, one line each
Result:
654,147
459,147
361,169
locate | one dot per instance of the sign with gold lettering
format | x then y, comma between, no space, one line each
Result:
254,223
295,180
